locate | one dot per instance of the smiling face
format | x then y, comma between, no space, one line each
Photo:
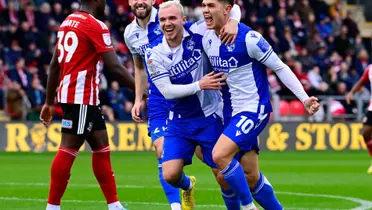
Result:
171,22
141,8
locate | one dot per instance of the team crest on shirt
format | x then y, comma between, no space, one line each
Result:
190,45
107,38
137,35
148,54
157,31
230,47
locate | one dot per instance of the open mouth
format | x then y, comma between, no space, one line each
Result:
169,29
141,9
208,19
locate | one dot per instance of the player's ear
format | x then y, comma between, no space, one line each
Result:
153,2
130,2
227,9
184,19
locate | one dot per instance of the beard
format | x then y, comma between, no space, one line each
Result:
142,15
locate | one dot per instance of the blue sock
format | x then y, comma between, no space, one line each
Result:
172,193
234,176
231,200
184,182
263,193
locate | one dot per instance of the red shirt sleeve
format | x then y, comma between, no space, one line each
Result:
365,76
101,37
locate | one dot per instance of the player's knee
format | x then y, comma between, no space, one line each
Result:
252,178
220,159
171,176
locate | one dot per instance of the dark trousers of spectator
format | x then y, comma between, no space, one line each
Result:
1,99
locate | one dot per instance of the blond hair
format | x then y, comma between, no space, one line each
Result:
173,3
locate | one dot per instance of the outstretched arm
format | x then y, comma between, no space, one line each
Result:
259,49
124,77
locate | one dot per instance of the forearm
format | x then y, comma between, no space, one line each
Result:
286,75
52,84
356,87
141,82
124,77
172,91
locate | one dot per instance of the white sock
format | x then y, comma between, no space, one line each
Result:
175,206
250,206
52,207
115,205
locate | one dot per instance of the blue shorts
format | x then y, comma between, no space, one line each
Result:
244,129
182,138
157,128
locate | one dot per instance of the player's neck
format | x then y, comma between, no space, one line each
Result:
175,43
218,28
88,9
143,22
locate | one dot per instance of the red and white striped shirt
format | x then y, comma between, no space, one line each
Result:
81,40
367,77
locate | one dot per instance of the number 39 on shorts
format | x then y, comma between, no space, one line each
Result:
69,45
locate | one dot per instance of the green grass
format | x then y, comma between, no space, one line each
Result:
301,179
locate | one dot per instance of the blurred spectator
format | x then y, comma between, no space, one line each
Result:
119,103
342,42
17,102
323,49
350,24
36,95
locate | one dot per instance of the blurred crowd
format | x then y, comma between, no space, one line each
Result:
320,42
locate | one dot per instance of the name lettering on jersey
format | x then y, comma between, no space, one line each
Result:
142,49
186,66
222,65
70,23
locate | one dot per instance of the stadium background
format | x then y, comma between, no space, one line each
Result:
327,43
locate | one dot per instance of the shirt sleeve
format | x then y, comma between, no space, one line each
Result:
129,44
259,49
160,77
101,37
236,13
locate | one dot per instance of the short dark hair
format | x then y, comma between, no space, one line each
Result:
231,2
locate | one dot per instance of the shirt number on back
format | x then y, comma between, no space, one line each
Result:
70,44
245,124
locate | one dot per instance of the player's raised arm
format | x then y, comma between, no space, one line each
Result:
261,50
361,82
112,62
160,77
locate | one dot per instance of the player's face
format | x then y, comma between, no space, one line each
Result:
171,22
214,13
141,8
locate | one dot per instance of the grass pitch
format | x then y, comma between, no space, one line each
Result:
302,180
